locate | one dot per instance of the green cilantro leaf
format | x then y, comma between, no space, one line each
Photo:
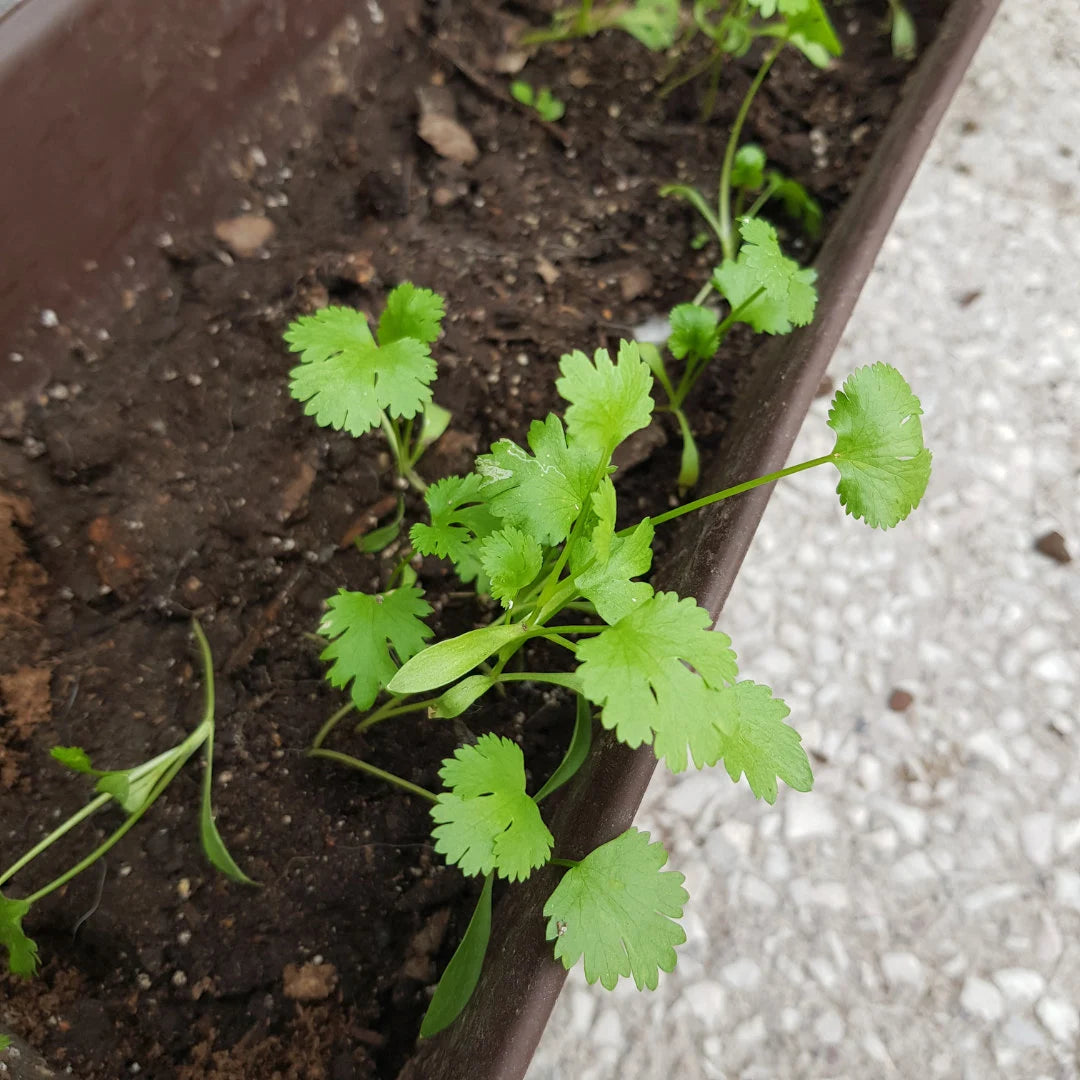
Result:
541,494
5,1041
653,22
346,380
884,466
486,821
608,401
411,313
459,516
22,952
768,8
761,745
606,579
810,31
798,202
511,561
365,629
693,332
616,908
748,169
788,297
636,671
74,758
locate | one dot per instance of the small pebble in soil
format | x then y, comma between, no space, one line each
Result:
901,700
1053,546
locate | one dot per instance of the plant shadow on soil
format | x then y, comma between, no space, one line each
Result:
168,473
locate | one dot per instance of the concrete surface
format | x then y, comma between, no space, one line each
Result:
918,914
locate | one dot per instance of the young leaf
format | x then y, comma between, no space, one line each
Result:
636,671
748,170
486,821
693,332
346,380
810,31
436,421
761,745
365,629
690,460
463,972
458,516
511,561
460,696
606,581
789,296
576,752
411,313
22,952
884,466
212,844
522,91
653,22
768,8
451,658
608,401
616,909
5,1042
541,494
131,788
798,202
548,106
74,758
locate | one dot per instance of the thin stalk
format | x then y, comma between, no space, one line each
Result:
568,863
727,237
373,770
566,643
75,819
331,723
398,710
556,678
738,489
762,199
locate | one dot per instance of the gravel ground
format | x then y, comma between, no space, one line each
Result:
918,914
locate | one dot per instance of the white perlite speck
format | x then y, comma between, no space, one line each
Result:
1059,1017
982,999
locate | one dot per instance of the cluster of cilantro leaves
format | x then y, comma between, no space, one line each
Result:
534,527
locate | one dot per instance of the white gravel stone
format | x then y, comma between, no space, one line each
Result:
982,999
830,1028
608,1030
903,969
707,1000
1059,1017
808,817
915,868
1037,838
742,974
1020,984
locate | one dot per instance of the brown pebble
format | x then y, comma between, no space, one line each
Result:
901,700
1052,545
245,235
309,982
825,387
635,283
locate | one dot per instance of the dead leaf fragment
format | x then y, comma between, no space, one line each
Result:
245,235
309,982
440,129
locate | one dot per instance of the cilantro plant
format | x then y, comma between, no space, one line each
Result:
543,101
654,23
134,790
535,527
350,379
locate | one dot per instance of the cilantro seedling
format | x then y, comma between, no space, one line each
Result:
546,105
654,23
535,526
135,791
349,380
902,32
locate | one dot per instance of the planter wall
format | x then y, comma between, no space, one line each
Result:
116,96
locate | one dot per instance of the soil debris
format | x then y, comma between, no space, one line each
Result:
439,127
309,982
1053,546
901,700
245,236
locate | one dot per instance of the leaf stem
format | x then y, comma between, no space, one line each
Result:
568,863
373,770
738,489
56,834
331,723
727,233
385,713
556,678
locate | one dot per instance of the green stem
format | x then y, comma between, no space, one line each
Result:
373,770
556,678
56,834
396,438
397,710
332,723
116,837
762,199
568,863
727,234
738,489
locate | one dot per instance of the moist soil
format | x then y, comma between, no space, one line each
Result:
166,473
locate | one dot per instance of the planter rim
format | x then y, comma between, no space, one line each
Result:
496,1036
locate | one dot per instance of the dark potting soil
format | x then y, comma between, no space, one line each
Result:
166,473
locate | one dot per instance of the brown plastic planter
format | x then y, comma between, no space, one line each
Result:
113,98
